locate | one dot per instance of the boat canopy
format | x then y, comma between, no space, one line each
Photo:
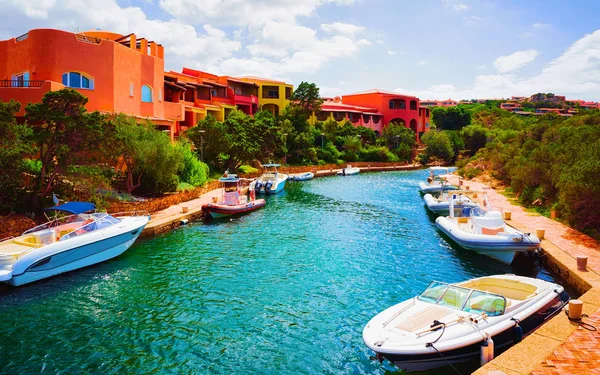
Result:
229,178
75,208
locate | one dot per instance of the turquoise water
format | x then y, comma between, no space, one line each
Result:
284,290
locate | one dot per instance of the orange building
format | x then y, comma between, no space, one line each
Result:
394,107
117,73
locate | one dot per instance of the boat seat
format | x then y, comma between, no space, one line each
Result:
490,231
512,289
27,243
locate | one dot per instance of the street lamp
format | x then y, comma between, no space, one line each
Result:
202,144
322,139
397,140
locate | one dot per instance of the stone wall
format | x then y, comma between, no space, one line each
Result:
14,225
160,203
326,167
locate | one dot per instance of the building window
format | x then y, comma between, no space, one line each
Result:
397,104
20,80
146,94
77,81
131,89
160,97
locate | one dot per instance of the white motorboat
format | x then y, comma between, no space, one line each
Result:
486,233
349,171
441,204
436,182
301,176
453,323
75,241
271,181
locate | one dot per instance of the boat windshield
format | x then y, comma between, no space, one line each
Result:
465,299
91,223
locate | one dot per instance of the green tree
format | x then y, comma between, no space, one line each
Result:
437,145
307,98
147,154
474,137
64,132
15,145
450,118
193,171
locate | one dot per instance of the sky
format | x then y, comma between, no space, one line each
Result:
434,49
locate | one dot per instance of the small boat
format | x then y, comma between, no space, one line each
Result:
68,243
441,205
486,233
271,181
436,182
348,171
234,200
453,323
301,176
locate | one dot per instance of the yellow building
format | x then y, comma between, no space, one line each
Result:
273,96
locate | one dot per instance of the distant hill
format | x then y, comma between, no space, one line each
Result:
549,100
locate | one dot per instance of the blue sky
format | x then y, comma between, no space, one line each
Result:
432,48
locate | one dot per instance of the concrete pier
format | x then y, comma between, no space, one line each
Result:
560,346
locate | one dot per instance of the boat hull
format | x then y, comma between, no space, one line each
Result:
302,177
76,257
443,208
494,246
217,211
435,188
275,189
502,341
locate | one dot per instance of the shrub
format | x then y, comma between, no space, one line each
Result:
377,153
438,145
32,166
193,172
247,169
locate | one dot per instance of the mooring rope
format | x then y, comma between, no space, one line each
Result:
581,323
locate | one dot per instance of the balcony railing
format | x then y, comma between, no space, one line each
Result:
21,83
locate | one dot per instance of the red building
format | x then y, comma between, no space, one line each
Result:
117,73
394,107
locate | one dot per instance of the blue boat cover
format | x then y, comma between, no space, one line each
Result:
74,207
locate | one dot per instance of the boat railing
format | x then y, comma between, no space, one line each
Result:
52,224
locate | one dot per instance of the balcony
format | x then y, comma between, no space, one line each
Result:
26,92
21,83
270,92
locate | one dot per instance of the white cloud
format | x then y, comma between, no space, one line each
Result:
379,41
526,35
575,72
342,28
421,62
515,61
481,67
243,13
539,25
390,52
275,43
459,7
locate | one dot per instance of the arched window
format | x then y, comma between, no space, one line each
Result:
77,81
146,94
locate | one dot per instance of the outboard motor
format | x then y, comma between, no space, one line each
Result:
258,186
268,186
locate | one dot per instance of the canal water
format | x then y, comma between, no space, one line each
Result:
284,290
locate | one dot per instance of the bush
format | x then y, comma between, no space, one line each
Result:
377,153
247,169
474,137
32,166
438,145
193,172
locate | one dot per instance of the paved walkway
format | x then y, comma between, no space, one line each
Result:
559,346
165,219
567,239
579,354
